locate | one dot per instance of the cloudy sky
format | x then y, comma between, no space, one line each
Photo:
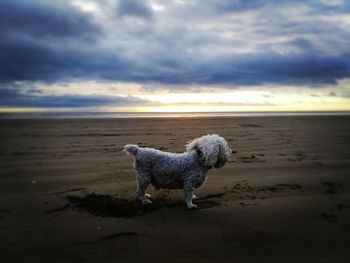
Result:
174,55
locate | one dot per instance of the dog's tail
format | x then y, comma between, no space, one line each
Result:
131,148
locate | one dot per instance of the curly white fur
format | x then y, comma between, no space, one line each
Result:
178,171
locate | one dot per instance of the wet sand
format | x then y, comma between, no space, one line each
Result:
68,192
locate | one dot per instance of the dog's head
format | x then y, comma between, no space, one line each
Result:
213,148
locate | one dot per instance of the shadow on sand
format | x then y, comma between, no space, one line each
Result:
113,206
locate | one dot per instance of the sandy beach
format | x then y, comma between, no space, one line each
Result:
68,192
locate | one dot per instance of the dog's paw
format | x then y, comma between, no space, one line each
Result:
192,206
194,197
146,201
148,196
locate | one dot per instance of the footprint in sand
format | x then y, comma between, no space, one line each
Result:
4,211
120,235
207,204
331,187
329,217
112,237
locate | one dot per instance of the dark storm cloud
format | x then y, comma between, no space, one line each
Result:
24,58
10,97
237,5
184,43
136,8
40,41
254,69
303,69
43,18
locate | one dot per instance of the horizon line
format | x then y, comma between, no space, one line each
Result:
72,115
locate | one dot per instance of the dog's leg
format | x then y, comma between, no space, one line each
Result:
188,191
194,197
142,183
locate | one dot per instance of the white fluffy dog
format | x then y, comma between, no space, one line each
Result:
178,170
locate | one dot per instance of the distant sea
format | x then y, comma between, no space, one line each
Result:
166,114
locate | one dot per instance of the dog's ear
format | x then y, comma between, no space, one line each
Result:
210,152
191,145
210,147
224,155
